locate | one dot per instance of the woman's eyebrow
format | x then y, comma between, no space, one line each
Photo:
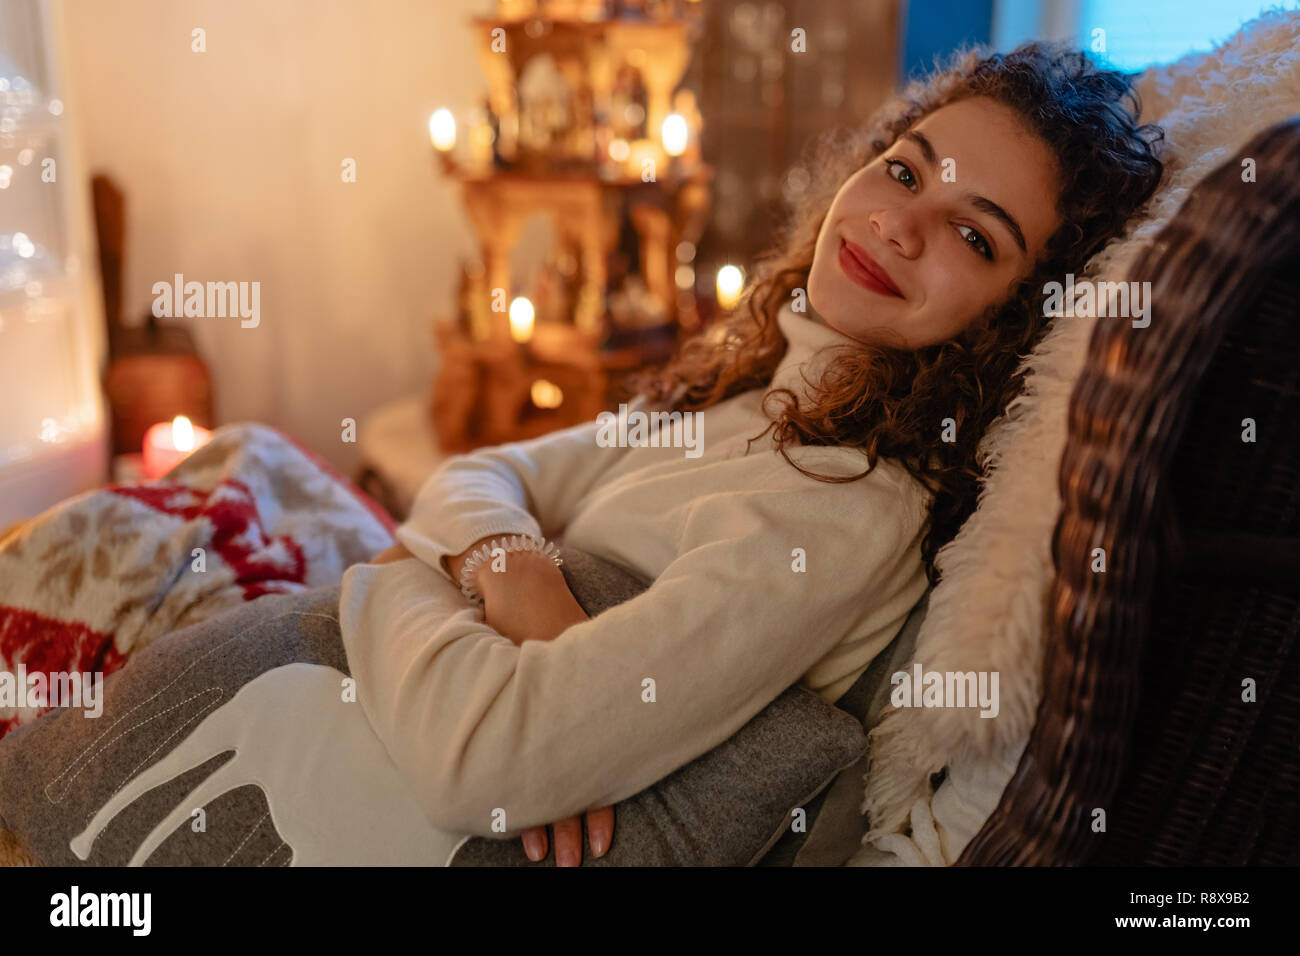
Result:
1000,214
979,202
924,144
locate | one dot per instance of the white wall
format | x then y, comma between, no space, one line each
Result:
230,161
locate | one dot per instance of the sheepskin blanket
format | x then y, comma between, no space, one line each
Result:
988,612
100,576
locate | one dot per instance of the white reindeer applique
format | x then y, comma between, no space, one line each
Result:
334,794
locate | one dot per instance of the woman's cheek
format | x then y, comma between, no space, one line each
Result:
953,299
944,289
964,287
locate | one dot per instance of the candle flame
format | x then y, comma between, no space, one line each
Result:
442,130
182,433
674,134
730,282
521,320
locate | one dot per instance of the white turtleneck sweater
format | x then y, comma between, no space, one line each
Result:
551,728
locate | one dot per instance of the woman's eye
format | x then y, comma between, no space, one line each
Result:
976,241
899,171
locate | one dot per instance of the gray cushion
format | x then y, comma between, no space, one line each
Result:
726,807
836,822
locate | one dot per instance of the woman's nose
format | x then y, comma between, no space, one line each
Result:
899,227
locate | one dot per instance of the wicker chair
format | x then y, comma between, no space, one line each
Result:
1143,714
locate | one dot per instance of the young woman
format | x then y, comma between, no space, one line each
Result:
840,413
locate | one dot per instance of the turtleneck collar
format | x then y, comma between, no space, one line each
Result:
811,347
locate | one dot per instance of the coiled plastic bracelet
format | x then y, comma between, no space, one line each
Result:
516,542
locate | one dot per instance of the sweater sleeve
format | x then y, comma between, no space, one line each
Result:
549,729
530,487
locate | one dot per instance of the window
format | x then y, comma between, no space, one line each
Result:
1138,34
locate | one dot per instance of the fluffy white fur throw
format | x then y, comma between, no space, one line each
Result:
987,614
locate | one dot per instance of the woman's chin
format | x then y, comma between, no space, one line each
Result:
831,321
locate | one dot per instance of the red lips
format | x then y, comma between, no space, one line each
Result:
866,271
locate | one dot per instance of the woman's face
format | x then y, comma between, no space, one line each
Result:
921,241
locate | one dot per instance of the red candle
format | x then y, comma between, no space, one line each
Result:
166,443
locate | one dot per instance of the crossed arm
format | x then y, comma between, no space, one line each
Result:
530,601
542,712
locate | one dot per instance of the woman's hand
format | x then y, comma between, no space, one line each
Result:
397,552
568,838
526,597
529,601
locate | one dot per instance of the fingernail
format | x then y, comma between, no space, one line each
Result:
533,846
567,858
598,844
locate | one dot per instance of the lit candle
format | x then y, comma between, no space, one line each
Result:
730,283
521,320
442,130
167,443
546,394
674,134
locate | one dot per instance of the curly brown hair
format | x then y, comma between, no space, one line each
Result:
888,401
